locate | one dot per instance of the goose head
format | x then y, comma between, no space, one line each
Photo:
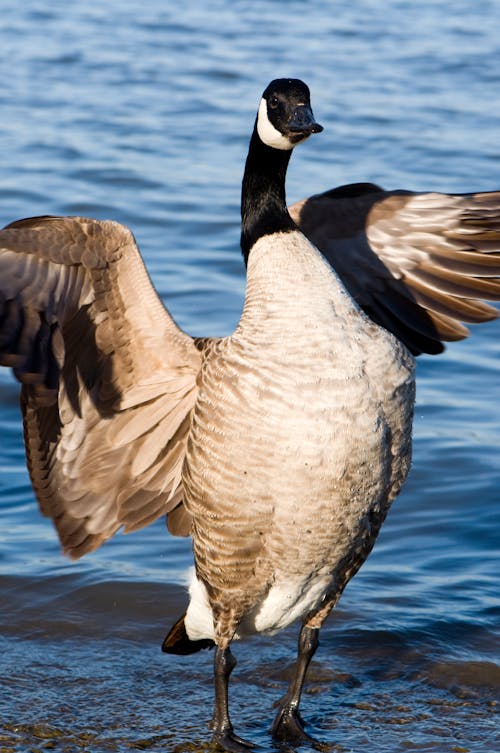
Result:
285,116
284,119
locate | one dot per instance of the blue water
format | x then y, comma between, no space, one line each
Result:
142,113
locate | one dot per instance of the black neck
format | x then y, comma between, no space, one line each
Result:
263,203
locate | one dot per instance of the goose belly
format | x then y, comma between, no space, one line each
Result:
290,479
286,601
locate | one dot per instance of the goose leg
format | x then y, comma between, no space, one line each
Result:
288,725
224,737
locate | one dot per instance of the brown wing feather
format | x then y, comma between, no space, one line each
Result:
108,378
418,264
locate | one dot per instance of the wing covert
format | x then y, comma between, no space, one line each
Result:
419,264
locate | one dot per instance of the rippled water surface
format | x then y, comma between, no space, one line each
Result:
142,113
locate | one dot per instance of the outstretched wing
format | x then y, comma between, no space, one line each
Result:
108,378
418,264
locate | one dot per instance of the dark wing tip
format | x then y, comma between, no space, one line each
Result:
178,641
351,190
29,221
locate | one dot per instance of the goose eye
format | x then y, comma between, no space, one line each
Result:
273,103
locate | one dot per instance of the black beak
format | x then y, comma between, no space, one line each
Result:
302,122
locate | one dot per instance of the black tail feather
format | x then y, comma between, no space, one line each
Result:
178,641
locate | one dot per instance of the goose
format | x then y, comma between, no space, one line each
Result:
279,448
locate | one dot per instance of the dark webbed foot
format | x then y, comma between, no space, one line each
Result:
288,728
227,740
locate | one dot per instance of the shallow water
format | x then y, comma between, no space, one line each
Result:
142,114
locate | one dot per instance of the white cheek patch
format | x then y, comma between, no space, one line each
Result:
268,134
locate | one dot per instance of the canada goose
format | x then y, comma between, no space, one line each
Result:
279,448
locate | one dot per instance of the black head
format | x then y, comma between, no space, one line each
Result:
285,116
